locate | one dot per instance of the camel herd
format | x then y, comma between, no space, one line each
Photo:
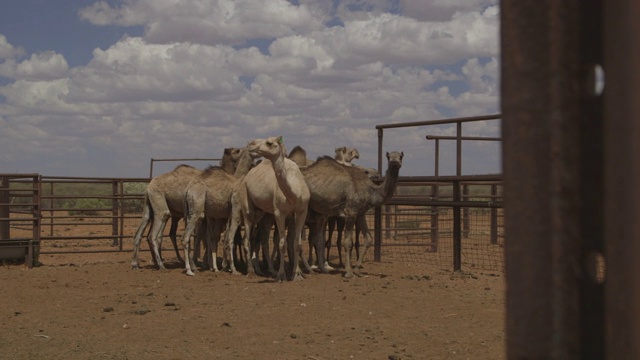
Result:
255,187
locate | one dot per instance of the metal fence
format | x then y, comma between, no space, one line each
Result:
450,221
59,215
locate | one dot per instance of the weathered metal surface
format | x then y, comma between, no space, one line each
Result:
541,104
622,176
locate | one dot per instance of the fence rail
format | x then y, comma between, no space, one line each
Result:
51,215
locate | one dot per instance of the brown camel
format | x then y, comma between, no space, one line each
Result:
230,159
339,190
163,200
275,186
299,156
208,196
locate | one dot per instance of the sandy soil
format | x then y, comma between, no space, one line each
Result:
94,306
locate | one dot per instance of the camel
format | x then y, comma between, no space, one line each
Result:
163,199
339,190
275,186
299,156
230,158
345,155
208,196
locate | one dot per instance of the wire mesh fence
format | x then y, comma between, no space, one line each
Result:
98,215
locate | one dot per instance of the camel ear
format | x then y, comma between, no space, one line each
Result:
280,140
227,151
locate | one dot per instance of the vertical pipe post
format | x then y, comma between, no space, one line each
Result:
622,176
377,246
494,216
457,226
541,86
5,213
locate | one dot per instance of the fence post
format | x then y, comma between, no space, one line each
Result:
377,246
434,219
457,231
115,201
494,216
5,229
465,212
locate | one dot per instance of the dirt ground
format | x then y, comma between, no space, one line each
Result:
94,306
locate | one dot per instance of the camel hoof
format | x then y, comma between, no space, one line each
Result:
299,277
348,275
190,273
328,267
235,272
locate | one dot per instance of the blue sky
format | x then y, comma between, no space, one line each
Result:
97,88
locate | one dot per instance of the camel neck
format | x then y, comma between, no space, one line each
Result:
281,176
244,164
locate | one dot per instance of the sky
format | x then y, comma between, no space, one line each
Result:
98,88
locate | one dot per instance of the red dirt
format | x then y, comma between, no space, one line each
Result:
94,306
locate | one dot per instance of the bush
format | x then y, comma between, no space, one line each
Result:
134,206
88,206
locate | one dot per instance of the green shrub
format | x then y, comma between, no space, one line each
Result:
88,206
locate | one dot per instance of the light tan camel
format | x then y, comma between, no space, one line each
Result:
208,196
345,155
339,190
275,186
164,197
162,200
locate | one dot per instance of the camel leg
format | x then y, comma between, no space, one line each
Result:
264,231
280,226
192,223
232,227
362,226
348,243
290,223
339,241
146,216
155,236
246,247
319,242
213,237
297,240
173,230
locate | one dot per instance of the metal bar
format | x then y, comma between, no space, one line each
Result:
439,122
377,233
457,230
5,228
622,175
541,88
494,217
474,138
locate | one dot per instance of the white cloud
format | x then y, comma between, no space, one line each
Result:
207,22
181,90
8,51
42,66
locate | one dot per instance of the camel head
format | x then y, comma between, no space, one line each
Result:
346,155
271,148
233,154
395,158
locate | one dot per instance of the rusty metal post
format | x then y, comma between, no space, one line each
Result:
115,201
622,176
377,233
494,216
434,219
543,119
5,213
466,213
